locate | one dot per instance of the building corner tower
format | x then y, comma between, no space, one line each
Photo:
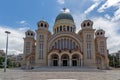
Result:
88,43
102,60
29,49
41,43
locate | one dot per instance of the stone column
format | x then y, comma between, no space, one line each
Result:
48,62
59,61
78,62
81,62
70,62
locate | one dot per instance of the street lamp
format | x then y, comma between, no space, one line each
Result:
5,64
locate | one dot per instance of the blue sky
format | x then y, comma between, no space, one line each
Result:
18,16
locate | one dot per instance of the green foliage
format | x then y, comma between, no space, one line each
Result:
113,61
10,63
1,61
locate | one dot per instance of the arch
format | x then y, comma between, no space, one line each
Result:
67,28
30,60
52,53
45,25
84,25
56,37
41,25
54,56
64,56
65,53
98,33
75,56
75,59
28,33
54,59
77,53
65,59
88,24
99,61
60,28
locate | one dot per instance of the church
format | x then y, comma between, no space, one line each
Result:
64,47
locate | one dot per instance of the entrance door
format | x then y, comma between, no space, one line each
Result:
74,62
65,63
55,62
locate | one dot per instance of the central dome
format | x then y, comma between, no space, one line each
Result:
64,15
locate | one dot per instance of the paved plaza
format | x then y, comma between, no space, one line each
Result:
83,75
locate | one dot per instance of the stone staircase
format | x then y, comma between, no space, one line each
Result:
64,69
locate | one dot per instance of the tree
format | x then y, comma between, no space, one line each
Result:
1,61
113,61
9,62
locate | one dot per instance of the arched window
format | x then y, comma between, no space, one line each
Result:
89,50
41,24
55,45
28,33
45,25
58,44
88,24
57,29
60,28
98,33
65,43
73,45
67,28
62,43
70,44
84,25
101,33
31,34
64,28
71,29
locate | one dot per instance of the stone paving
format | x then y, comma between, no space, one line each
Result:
26,75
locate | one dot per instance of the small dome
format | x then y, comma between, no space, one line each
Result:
100,30
43,24
64,15
29,33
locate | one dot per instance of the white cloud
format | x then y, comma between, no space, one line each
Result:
107,16
61,1
15,39
22,22
111,28
78,18
116,15
91,7
108,4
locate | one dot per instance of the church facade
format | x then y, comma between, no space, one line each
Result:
65,47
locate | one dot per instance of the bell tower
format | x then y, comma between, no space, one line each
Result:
87,34
101,47
29,45
41,43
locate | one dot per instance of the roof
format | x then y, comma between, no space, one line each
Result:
64,15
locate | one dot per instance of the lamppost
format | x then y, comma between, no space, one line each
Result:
5,64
